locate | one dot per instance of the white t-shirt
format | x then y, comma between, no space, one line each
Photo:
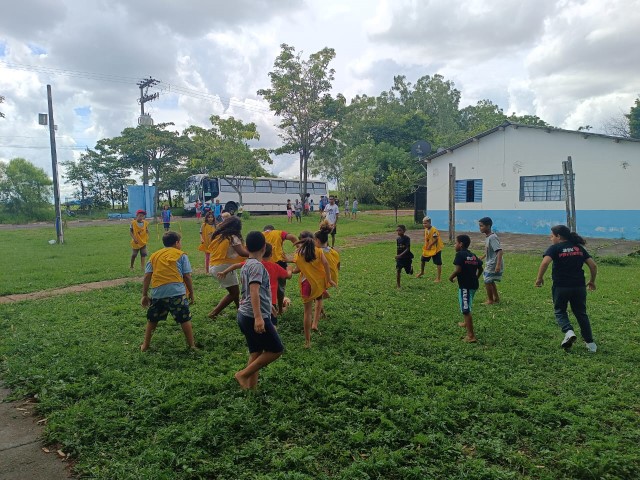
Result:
331,212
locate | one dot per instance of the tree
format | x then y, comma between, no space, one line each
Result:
634,119
395,189
299,94
24,188
528,120
1,101
481,117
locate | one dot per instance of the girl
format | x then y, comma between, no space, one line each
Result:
568,255
226,248
166,218
206,230
333,258
289,211
315,277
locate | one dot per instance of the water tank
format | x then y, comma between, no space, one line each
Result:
145,119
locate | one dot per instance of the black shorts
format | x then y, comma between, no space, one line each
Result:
334,231
269,341
167,226
437,258
408,267
177,306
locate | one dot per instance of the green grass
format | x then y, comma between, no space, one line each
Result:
388,390
93,253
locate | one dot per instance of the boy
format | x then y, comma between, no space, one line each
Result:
297,209
331,213
468,270
276,239
432,248
169,274
404,257
254,314
139,232
494,264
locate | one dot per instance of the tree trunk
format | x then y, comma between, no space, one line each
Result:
170,202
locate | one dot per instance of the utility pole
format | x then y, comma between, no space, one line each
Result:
144,86
54,168
452,202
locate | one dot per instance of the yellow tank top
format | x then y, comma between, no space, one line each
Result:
274,238
314,273
207,230
333,257
140,234
164,267
428,238
218,249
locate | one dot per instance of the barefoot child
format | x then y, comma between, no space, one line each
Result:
333,258
315,278
139,232
168,272
206,231
254,315
166,218
276,239
432,248
494,264
468,270
404,257
568,256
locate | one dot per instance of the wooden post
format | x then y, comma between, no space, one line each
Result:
452,202
570,197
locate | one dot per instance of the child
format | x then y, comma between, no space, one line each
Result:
139,232
404,257
354,210
289,211
332,213
276,239
468,270
568,256
432,248
254,315
346,207
206,231
494,264
275,271
198,209
315,278
298,210
333,258
166,217
168,272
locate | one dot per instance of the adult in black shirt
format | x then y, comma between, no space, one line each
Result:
568,256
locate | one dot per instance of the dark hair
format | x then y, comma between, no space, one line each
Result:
268,227
563,231
486,221
228,228
169,239
404,229
210,214
323,234
306,247
255,241
464,240
305,234
268,251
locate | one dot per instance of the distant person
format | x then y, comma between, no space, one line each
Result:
431,249
206,207
168,272
139,232
206,231
254,315
166,217
289,211
198,209
307,206
333,259
322,203
217,210
311,205
276,239
354,209
568,255
297,208
404,257
468,270
331,214
346,207
494,265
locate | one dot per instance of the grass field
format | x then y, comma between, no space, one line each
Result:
387,391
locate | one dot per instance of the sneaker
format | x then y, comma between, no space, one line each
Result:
592,347
569,340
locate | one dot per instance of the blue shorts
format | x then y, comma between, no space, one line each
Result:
491,277
465,298
269,341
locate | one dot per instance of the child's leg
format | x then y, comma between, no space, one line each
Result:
316,316
439,274
468,323
151,327
494,288
489,288
333,239
422,263
578,301
398,273
188,334
207,257
134,254
245,376
308,312
233,295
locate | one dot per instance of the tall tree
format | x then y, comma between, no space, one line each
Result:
481,117
24,188
395,189
634,120
528,120
299,95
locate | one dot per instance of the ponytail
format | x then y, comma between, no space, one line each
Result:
306,248
323,234
563,232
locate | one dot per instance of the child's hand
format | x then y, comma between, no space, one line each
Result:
452,279
221,275
539,282
591,286
258,325
145,302
191,298
332,283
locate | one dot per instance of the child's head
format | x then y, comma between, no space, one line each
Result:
426,222
305,234
140,215
400,229
322,235
210,218
462,242
306,246
268,251
165,207
485,224
255,242
562,233
171,239
268,228
229,227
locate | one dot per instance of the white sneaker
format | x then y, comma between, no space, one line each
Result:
592,347
569,340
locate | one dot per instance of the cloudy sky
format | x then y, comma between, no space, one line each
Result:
571,62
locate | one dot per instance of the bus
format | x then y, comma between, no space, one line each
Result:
259,195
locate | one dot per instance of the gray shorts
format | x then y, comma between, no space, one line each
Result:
492,277
231,280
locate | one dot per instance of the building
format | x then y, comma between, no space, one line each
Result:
513,174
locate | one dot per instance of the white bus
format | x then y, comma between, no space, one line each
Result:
259,195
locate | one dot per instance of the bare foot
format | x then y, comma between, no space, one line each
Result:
419,275
488,302
469,339
437,280
144,348
243,382
315,330
212,315
307,345
462,324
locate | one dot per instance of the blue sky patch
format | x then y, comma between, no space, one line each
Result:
82,111
36,50
3,49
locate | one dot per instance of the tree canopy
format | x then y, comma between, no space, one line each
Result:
24,188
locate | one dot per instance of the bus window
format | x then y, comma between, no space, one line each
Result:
225,186
210,188
246,186
263,186
320,188
278,186
293,187
191,191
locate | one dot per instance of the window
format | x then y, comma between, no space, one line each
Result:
293,187
225,186
468,191
246,186
320,188
278,186
263,186
542,188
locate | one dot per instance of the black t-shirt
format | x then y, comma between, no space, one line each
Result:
404,243
470,264
567,264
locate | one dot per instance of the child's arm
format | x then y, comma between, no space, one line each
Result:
189,284
455,273
543,268
327,271
146,301
229,269
498,261
132,235
241,250
593,270
254,292
480,270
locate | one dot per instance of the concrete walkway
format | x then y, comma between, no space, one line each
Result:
21,451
